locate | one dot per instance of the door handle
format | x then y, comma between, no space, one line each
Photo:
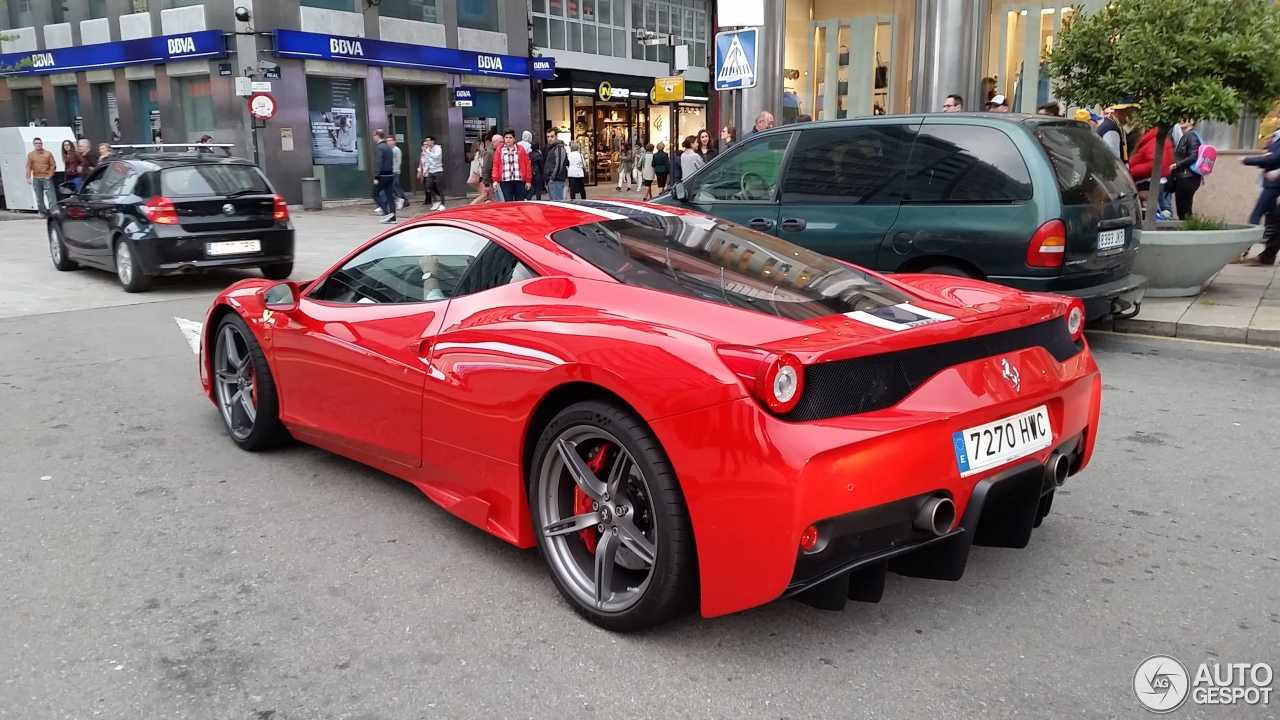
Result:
794,225
761,224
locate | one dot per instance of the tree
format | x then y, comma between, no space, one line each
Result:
1202,59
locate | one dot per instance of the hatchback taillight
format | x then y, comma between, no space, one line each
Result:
281,209
160,210
1048,246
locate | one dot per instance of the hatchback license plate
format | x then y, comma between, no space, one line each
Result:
233,247
996,443
1110,239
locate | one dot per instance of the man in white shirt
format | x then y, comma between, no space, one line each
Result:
397,163
431,172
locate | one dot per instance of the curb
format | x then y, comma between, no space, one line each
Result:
1191,331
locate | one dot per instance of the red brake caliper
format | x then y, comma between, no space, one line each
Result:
582,503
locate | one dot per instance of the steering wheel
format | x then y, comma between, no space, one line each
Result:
761,186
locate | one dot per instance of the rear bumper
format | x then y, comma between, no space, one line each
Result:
158,252
1122,298
750,504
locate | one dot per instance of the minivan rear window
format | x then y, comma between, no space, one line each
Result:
215,180
1087,171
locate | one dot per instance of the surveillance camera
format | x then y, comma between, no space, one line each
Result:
242,14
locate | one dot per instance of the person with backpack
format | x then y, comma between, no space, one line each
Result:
1187,167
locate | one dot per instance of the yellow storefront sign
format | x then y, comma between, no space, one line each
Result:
668,89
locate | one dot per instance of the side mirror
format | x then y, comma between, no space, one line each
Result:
282,297
680,192
67,189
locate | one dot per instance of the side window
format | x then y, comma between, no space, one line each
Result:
966,164
96,181
119,179
848,166
421,264
748,173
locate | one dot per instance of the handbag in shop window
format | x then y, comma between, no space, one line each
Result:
844,56
882,73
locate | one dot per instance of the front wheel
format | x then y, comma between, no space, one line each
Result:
132,279
611,519
58,250
244,388
281,271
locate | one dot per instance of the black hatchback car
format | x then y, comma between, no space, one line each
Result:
165,209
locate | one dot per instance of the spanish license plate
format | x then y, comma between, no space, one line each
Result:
996,443
1111,239
233,247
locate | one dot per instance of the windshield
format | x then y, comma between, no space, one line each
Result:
1087,171
720,262
217,180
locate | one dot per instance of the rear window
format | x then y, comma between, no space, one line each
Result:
966,164
1087,171
728,264
216,180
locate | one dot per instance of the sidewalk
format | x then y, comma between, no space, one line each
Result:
1240,305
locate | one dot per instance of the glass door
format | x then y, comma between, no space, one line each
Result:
1026,34
851,69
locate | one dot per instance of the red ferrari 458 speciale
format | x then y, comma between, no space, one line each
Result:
676,410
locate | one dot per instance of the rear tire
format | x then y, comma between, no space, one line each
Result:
244,388
281,271
597,466
58,250
131,277
951,270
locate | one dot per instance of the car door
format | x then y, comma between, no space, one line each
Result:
967,204
741,185
76,218
351,360
104,207
843,186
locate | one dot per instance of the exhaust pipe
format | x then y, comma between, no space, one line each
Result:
1056,468
936,515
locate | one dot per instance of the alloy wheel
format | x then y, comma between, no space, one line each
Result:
124,263
235,382
55,245
597,506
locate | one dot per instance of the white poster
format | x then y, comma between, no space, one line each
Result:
334,137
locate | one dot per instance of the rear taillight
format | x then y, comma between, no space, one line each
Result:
776,380
1048,246
281,209
160,210
1075,319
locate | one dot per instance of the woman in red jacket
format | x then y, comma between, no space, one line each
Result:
1143,159
512,170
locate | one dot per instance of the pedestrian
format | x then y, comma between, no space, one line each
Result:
577,173
431,173
647,174
728,136
1266,209
705,147
397,162
625,166
1142,164
104,151
511,169
998,104
383,173
555,165
73,163
764,121
490,151
1184,179
535,162
953,104
1112,133
526,141
804,118
662,166
476,179
1089,117
41,165
88,156
1051,108
690,160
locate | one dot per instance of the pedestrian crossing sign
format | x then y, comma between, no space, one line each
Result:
735,59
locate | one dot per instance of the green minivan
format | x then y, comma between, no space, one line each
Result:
1033,202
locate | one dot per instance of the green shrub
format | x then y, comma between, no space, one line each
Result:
1199,222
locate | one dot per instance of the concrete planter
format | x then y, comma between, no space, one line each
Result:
1179,263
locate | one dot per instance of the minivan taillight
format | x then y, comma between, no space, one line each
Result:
160,210
1048,246
281,209
776,380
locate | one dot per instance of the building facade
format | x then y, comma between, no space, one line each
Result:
138,71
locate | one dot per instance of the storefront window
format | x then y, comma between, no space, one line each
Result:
586,26
194,100
19,13
423,10
340,147
1020,37
146,106
104,99
69,109
847,58
485,118
347,5
557,113
685,19
32,104
478,14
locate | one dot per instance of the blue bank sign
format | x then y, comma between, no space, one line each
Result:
544,68
200,45
317,46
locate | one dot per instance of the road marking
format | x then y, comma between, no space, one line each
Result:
191,331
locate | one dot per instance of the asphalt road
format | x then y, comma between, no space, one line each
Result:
149,569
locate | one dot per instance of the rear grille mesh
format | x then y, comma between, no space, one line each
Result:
878,382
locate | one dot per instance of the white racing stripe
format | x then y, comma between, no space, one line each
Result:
191,331
639,207
583,209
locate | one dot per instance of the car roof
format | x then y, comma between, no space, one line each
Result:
165,160
982,118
